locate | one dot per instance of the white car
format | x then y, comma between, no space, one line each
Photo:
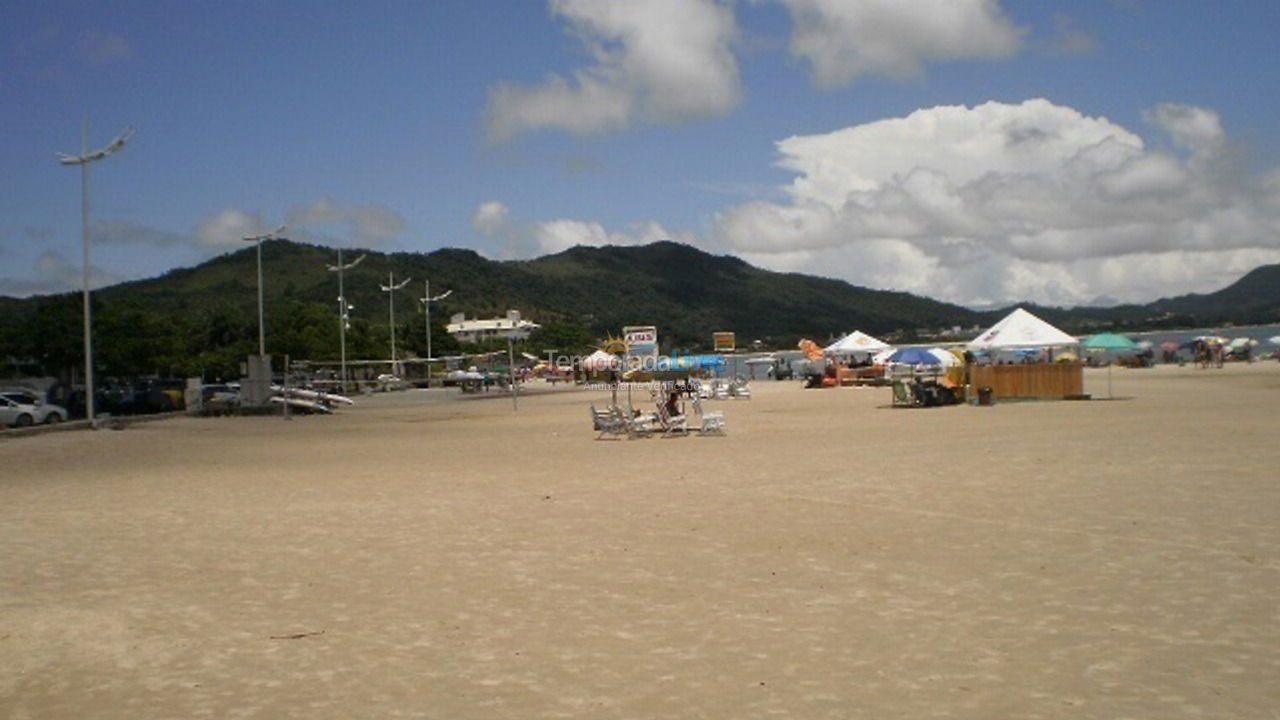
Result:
220,395
20,409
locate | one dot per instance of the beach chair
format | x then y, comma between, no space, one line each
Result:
709,422
740,389
720,389
636,424
671,424
607,422
903,396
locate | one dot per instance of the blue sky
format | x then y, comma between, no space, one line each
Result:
969,150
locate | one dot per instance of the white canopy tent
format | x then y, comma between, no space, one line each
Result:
1021,329
856,342
600,360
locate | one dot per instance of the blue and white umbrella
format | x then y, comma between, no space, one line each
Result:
914,356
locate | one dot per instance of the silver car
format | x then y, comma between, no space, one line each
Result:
22,409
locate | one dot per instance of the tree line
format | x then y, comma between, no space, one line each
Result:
131,340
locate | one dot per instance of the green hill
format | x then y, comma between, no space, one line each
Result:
1253,299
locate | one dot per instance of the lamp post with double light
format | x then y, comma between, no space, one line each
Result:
426,301
344,310
274,235
83,159
390,289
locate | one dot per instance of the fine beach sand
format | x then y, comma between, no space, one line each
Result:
431,556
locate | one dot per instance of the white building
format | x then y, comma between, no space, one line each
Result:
475,331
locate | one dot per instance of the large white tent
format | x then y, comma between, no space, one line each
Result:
600,360
855,342
1021,329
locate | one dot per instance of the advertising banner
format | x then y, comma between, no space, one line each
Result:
724,341
642,345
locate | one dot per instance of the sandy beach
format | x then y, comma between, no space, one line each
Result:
425,555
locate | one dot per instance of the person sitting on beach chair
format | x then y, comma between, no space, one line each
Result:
671,416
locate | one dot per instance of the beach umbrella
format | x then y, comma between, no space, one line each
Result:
1241,346
1275,340
1103,342
1108,342
1169,345
914,356
945,357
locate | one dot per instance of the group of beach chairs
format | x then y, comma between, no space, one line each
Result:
724,389
617,422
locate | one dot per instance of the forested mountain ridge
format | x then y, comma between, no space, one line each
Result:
206,316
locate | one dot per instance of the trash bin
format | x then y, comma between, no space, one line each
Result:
985,396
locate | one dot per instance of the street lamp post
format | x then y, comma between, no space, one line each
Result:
274,235
426,301
390,289
83,159
343,312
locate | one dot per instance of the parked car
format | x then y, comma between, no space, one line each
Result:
220,396
17,410
22,395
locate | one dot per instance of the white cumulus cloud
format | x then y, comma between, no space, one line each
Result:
1194,129
555,236
53,273
227,228
325,221
1003,202
369,225
843,39
491,218
654,61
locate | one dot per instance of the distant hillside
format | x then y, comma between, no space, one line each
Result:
1252,300
687,293
206,316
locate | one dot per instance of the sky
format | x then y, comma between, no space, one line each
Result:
974,151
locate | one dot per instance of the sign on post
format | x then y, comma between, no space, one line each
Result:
642,346
724,341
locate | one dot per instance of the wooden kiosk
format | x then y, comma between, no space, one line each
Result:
1040,381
